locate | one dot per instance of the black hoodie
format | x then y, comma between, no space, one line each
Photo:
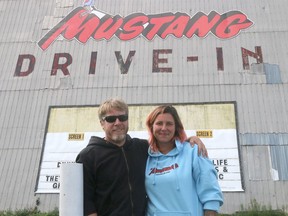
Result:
114,177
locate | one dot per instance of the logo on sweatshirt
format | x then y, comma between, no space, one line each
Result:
87,22
164,169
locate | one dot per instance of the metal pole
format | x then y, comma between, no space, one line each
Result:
71,189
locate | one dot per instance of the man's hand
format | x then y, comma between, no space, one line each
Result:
210,213
94,214
201,147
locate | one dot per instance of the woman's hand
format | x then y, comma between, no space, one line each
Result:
210,213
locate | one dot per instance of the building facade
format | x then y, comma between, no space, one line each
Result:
70,53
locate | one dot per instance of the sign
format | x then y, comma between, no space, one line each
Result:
69,131
204,133
82,24
76,136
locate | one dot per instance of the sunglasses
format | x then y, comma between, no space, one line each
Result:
112,119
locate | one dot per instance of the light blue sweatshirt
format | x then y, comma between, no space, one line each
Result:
181,183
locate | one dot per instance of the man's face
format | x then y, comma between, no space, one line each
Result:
115,132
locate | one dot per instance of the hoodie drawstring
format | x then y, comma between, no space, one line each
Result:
154,176
176,173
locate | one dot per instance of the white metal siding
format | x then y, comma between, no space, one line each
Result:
24,101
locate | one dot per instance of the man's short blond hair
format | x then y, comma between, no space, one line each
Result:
110,105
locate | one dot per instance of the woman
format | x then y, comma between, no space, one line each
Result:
178,181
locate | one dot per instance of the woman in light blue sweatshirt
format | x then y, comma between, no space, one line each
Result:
178,181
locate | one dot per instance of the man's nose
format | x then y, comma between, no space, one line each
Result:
117,121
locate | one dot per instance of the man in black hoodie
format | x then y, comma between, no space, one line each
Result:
114,166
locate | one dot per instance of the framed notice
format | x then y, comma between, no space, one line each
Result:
70,128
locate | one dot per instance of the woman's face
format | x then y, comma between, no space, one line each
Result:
164,128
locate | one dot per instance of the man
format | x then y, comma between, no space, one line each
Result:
114,166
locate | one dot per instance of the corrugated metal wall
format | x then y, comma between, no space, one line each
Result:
261,93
